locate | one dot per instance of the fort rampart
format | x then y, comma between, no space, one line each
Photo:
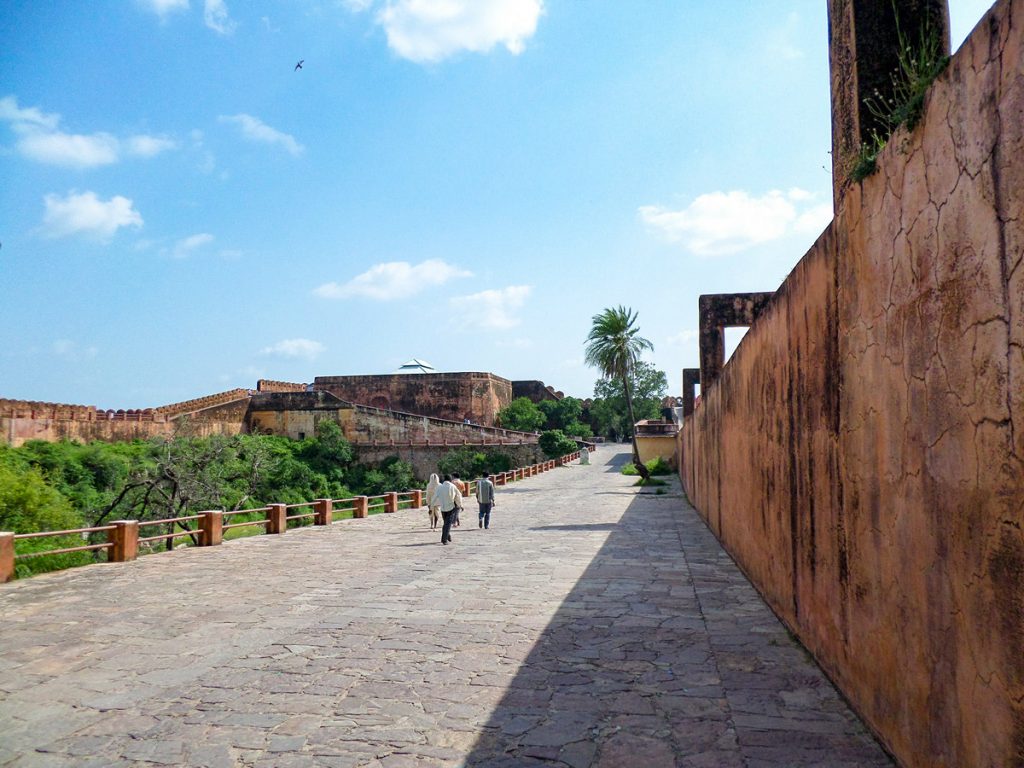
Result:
451,396
862,454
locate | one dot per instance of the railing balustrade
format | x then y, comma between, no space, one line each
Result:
123,539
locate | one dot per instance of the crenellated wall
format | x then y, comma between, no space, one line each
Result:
862,454
269,385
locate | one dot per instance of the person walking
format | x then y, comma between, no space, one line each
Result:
464,490
485,498
432,509
449,498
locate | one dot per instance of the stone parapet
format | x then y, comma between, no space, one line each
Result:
202,403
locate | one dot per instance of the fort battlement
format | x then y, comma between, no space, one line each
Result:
268,385
202,403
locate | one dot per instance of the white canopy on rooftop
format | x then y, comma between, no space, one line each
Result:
417,366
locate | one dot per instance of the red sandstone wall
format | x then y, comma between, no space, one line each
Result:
22,420
862,455
370,425
451,396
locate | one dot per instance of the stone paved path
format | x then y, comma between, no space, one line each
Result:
593,625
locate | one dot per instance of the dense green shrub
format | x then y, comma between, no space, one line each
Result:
468,463
554,443
656,466
65,485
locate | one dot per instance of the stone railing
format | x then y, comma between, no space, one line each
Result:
206,529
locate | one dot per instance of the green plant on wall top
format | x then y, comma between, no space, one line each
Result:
920,63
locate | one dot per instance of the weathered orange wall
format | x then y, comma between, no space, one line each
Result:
862,454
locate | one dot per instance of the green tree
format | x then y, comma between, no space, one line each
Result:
469,463
614,347
554,443
521,414
567,415
608,412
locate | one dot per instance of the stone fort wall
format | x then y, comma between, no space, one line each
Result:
862,454
452,396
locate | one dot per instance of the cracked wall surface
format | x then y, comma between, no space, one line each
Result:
862,454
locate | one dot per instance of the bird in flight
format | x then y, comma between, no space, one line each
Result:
299,65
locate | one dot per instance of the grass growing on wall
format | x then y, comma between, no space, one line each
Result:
921,61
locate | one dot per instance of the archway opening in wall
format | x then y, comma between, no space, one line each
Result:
381,402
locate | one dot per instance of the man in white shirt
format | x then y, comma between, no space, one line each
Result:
485,498
449,498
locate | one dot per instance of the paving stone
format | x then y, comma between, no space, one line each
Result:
597,625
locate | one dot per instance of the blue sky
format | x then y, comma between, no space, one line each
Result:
463,181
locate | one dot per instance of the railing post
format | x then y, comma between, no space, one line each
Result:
361,506
6,556
125,538
417,499
390,502
211,527
324,509
277,521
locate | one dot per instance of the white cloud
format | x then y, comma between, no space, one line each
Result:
86,214
215,15
491,309
814,220
432,30
70,150
42,140
10,112
684,338
72,351
184,247
718,223
393,280
163,7
299,348
150,146
514,344
256,130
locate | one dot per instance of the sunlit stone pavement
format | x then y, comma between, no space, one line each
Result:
592,625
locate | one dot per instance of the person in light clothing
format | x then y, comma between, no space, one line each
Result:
485,498
432,508
449,498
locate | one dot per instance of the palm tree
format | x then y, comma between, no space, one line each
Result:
613,347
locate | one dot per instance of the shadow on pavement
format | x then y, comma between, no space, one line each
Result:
640,667
577,527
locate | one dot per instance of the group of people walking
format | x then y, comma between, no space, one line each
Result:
445,499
